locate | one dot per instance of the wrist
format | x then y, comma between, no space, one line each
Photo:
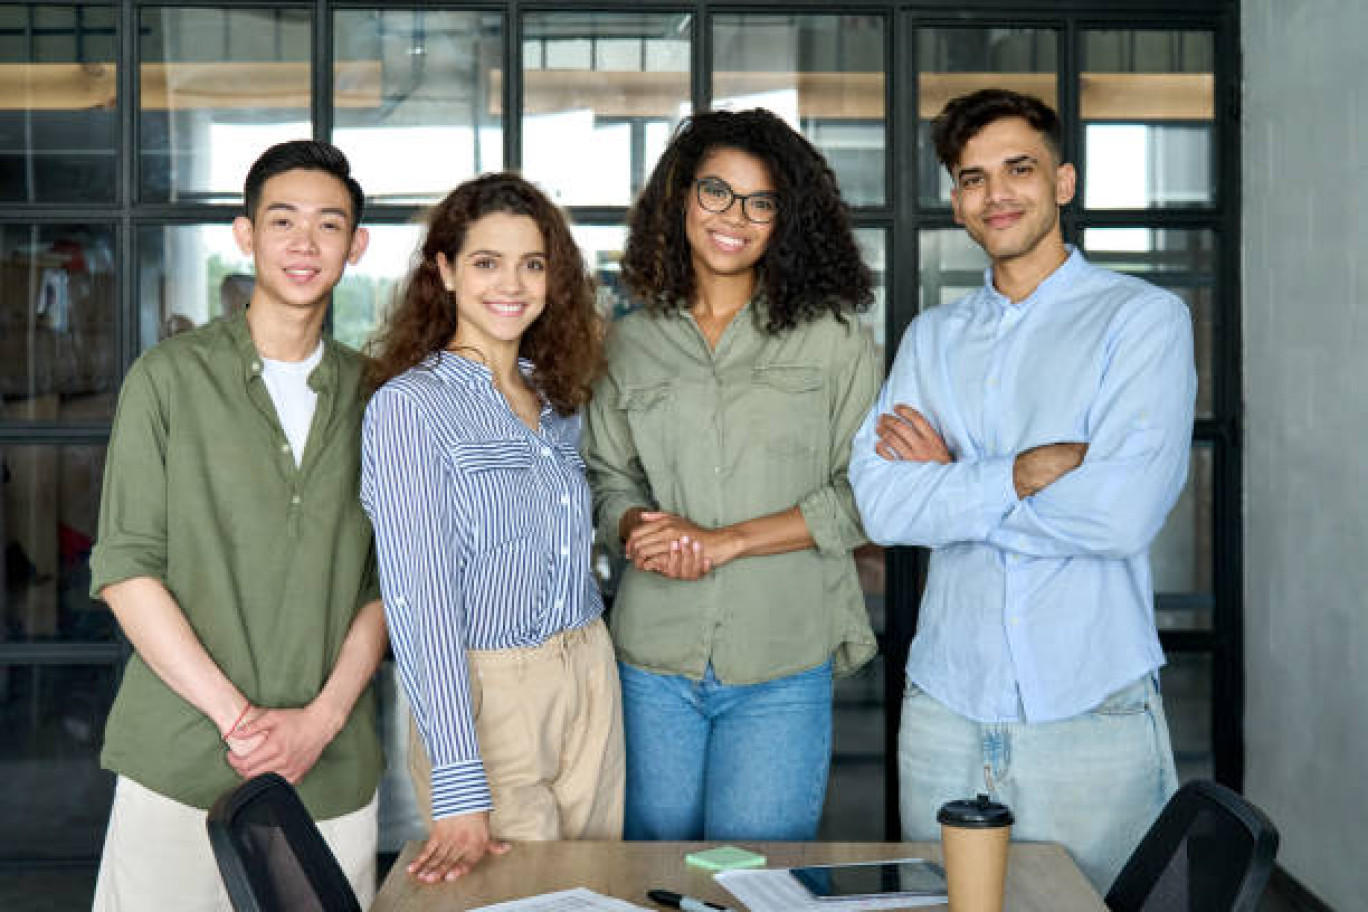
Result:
329,717
630,519
728,545
227,724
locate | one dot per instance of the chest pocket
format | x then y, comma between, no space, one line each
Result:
651,412
498,490
790,400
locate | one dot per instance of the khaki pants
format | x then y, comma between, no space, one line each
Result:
549,724
157,855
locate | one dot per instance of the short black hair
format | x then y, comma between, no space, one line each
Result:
962,118
301,154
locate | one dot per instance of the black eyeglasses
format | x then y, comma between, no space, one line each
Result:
716,195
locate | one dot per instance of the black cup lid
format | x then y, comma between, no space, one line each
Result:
980,813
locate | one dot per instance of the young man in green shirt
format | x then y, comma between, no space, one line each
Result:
235,554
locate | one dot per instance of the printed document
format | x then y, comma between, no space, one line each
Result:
576,900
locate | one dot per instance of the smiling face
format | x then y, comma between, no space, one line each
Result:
301,238
1008,190
727,243
499,280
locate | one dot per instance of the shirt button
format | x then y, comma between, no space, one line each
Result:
546,451
717,470
256,368
296,500
560,603
565,500
564,552
284,448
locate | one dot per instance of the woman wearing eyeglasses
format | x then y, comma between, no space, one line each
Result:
717,446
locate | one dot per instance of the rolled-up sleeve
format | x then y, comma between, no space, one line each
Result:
830,511
131,541
610,457
404,491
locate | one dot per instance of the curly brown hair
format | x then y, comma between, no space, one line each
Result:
811,266
565,344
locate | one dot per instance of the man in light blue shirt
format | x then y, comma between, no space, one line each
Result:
1034,434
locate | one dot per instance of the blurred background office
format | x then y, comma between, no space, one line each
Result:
1221,145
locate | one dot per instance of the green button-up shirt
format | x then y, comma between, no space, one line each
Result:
269,562
756,426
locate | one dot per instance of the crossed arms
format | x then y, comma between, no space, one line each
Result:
1103,496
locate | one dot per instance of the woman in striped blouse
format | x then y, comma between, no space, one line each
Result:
482,517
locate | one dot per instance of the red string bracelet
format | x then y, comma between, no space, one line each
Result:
236,722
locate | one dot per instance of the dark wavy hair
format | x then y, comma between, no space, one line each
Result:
963,117
565,344
811,265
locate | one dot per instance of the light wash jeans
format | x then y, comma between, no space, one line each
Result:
710,761
1093,783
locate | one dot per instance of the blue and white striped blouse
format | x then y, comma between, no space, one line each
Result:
483,530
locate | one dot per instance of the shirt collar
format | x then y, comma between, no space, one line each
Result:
1062,277
462,371
321,379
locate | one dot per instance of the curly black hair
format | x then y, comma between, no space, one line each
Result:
811,266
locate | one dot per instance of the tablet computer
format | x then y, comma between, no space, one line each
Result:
868,880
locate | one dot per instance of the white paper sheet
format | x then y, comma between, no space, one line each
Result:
776,890
576,900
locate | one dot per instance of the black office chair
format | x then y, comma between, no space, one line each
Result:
1209,851
270,854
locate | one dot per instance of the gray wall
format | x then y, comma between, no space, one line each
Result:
1306,462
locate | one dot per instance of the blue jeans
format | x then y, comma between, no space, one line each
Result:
1093,783
710,761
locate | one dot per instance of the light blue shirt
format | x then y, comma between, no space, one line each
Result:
1041,606
483,530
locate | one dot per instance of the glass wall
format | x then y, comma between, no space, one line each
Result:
126,127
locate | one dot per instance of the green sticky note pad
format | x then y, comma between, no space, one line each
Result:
725,858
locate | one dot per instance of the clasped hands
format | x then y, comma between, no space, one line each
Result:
905,435
675,547
284,741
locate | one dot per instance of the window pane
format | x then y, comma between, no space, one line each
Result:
873,243
1186,681
368,288
601,246
601,94
187,276
51,726
59,113
956,61
217,87
951,266
1181,554
822,74
416,99
1146,99
1182,261
59,352
48,512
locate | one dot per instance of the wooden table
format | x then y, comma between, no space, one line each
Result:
1041,877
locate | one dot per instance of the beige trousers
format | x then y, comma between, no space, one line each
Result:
549,725
157,855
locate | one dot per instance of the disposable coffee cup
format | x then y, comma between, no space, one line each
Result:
974,838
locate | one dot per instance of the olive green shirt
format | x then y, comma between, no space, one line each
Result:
756,426
269,562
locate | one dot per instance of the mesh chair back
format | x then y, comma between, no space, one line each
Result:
270,853
1209,851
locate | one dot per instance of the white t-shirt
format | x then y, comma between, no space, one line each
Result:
288,383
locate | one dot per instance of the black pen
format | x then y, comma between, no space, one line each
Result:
683,903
